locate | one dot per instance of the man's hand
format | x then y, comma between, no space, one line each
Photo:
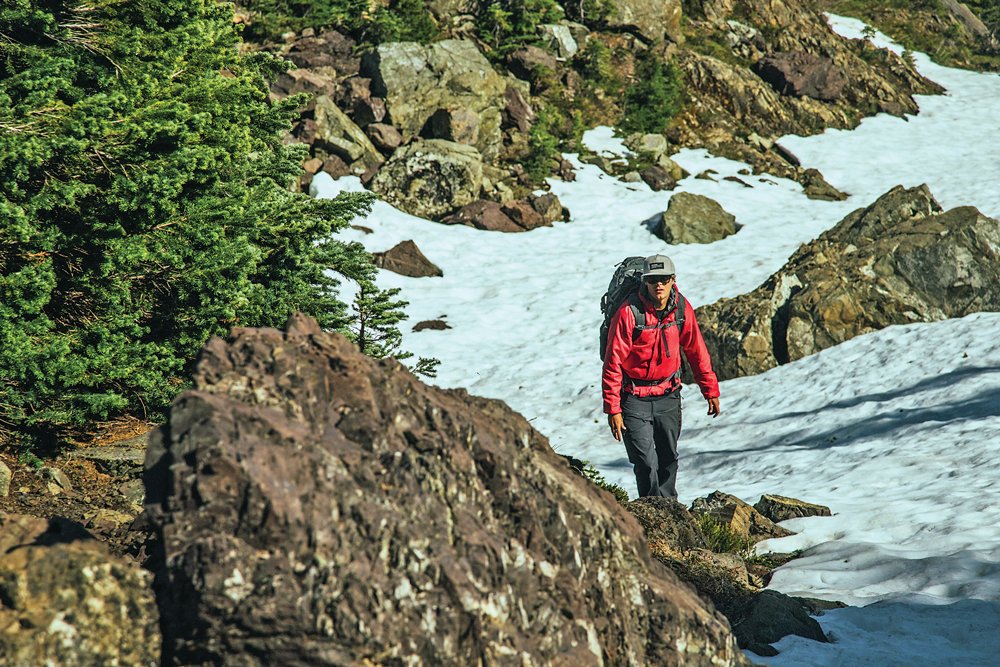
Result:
713,407
617,425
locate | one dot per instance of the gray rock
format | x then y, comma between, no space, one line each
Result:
653,20
5,478
900,260
658,178
781,508
319,507
68,602
339,135
406,259
816,187
667,521
56,480
648,145
559,38
692,218
768,617
417,80
430,178
738,516
547,205
972,23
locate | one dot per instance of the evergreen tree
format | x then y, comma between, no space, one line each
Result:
144,206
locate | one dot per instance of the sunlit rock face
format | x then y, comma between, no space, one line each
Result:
64,600
318,507
901,260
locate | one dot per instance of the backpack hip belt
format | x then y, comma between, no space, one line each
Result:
674,379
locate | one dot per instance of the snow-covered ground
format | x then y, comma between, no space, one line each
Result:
897,431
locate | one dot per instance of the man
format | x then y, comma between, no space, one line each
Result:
641,379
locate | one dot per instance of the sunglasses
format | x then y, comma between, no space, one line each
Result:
652,280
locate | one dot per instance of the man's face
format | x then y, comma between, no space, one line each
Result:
658,287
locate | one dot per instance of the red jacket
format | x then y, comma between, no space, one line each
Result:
649,359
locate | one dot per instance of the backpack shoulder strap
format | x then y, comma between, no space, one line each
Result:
638,315
680,312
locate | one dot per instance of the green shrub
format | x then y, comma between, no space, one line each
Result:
508,24
595,476
144,206
723,539
395,21
543,145
654,98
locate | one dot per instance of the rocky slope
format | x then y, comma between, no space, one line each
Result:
439,127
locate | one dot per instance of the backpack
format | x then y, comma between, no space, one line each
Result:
625,284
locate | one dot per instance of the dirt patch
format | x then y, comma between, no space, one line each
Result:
104,493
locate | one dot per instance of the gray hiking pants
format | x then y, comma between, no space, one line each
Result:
651,431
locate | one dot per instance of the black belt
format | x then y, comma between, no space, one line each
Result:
647,383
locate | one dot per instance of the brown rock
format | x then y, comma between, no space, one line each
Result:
816,187
483,214
566,171
532,64
547,205
458,125
801,74
406,259
385,137
517,112
658,178
336,167
317,506
781,508
312,165
433,325
330,49
303,81
524,215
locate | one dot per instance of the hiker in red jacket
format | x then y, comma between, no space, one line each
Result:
641,378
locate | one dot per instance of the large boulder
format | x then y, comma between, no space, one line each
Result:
64,600
802,74
416,81
316,506
430,178
692,218
900,260
336,134
769,616
652,20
